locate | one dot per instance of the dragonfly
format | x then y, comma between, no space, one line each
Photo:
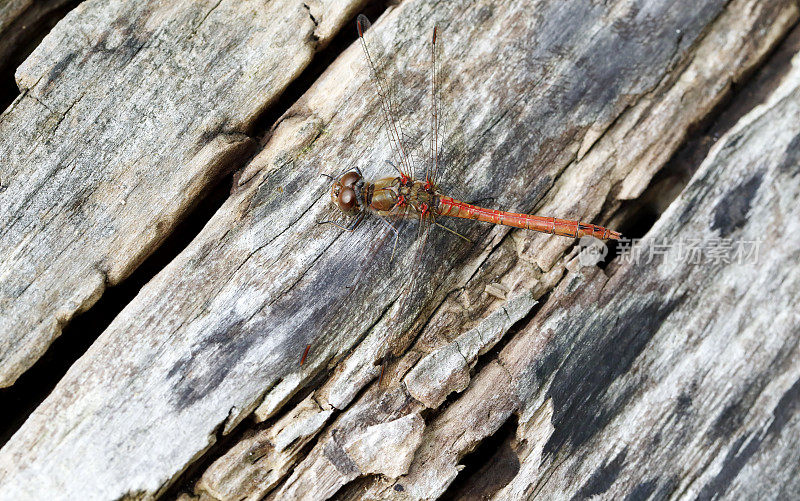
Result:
404,196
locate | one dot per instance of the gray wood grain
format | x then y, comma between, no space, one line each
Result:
678,377
589,102
660,376
129,111
473,417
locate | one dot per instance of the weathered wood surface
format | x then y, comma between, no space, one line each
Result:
129,111
676,377
651,378
589,103
21,23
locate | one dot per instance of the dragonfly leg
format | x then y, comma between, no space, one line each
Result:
454,232
425,230
352,226
396,237
396,168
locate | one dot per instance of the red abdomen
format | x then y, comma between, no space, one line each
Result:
456,208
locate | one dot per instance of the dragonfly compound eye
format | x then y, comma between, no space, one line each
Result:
347,199
350,179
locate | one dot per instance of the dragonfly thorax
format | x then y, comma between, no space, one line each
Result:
394,196
402,197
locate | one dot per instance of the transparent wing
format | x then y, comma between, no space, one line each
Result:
405,322
402,327
384,80
432,168
409,151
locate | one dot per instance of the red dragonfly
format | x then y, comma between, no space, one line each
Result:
402,196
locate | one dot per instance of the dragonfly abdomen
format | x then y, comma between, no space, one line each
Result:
451,207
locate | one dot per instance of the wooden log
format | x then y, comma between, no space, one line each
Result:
129,112
568,123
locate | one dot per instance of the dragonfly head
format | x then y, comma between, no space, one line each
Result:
346,192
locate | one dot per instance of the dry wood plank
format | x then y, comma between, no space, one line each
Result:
316,475
217,335
129,112
657,378
678,377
